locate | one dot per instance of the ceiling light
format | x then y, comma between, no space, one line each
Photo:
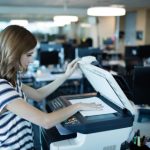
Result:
19,22
106,11
85,25
66,18
61,23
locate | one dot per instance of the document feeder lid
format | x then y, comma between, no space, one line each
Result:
104,83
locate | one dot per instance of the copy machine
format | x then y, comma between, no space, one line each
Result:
104,131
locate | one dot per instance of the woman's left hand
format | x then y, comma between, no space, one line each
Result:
71,67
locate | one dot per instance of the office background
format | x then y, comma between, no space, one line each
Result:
98,28
123,44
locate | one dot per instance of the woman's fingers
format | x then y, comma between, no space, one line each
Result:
91,106
74,62
96,106
71,67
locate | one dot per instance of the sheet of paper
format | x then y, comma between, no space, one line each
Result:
106,109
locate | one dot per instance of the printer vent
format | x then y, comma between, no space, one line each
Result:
110,147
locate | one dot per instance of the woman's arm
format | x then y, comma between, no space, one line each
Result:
43,92
47,120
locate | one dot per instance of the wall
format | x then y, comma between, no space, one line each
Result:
141,25
106,28
147,37
122,39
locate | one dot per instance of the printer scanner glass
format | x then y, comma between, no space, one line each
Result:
105,110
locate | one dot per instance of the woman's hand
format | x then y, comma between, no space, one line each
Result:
71,67
88,106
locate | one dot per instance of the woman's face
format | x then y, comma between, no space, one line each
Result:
26,59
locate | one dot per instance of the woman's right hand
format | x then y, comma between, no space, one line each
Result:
89,106
71,67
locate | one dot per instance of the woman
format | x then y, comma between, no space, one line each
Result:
17,46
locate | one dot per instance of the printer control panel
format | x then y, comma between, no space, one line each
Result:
57,104
72,121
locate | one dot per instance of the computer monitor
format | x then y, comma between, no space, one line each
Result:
88,51
49,58
144,51
141,83
131,51
69,51
132,57
46,48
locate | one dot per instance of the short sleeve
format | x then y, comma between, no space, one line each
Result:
7,93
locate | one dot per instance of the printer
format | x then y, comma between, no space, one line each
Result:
104,131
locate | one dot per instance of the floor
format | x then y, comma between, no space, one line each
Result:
142,122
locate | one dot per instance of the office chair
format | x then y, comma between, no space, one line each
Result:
141,90
124,86
132,60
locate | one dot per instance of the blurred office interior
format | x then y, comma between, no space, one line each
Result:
121,45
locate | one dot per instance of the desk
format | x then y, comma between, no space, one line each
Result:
142,120
76,79
111,55
143,113
114,62
115,65
48,77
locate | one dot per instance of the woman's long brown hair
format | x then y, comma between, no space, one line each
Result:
14,41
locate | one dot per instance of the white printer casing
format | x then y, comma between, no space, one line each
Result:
106,132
